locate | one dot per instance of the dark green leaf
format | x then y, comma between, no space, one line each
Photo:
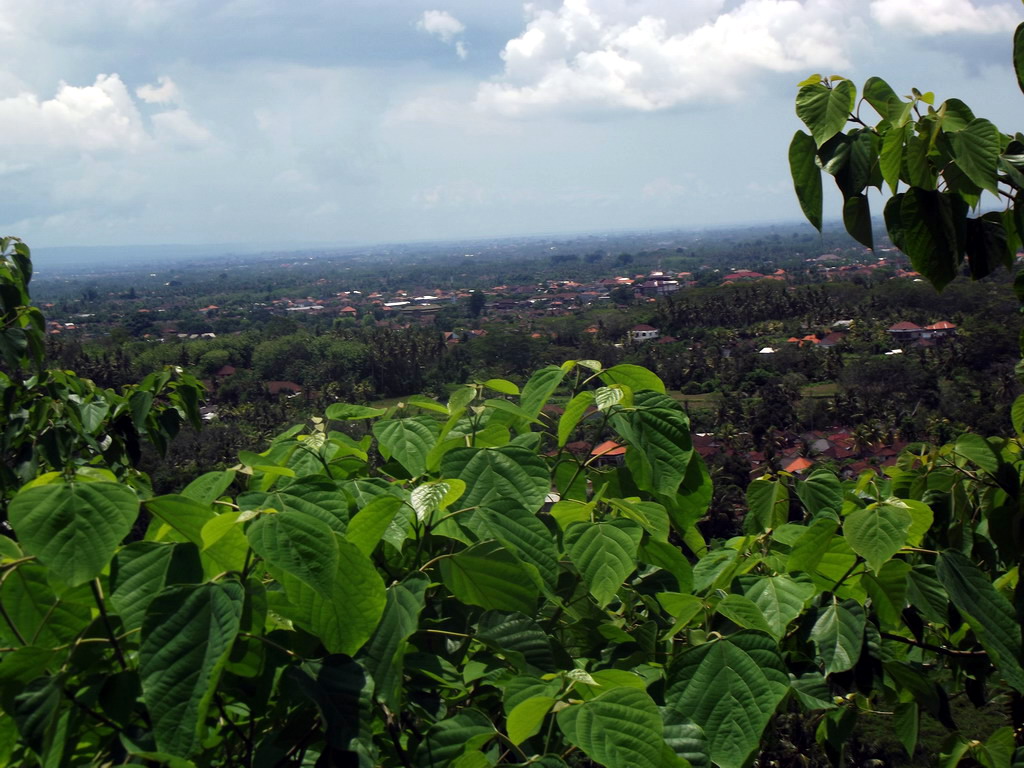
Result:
988,613
490,576
977,153
383,655
499,473
186,638
685,738
803,168
332,589
605,554
857,220
444,742
929,234
730,688
621,727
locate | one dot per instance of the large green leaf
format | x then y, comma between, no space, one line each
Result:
838,635
209,486
519,638
989,614
523,534
574,411
1018,55
977,153
876,533
730,687
888,591
383,654
781,599
408,441
767,504
658,433
891,158
312,496
186,637
928,232
635,377
488,575
803,167
447,740
825,110
73,528
527,716
821,491
140,570
539,388
880,95
604,553
179,518
499,473
621,727
332,588
40,616
743,612
857,220
685,738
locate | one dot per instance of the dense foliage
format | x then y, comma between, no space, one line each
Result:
442,583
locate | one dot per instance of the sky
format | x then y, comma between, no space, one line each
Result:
347,121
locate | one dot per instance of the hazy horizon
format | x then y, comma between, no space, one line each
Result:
128,123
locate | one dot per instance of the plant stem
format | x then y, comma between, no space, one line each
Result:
97,593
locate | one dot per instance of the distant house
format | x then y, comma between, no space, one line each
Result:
638,334
798,465
608,452
940,330
283,387
224,371
831,340
905,331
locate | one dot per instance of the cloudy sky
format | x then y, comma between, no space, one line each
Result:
206,121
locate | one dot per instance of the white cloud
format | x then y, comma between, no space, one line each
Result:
164,92
101,118
937,17
441,24
446,28
97,117
614,54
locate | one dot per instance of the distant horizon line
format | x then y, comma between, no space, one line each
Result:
251,247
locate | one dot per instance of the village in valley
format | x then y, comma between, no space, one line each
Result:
787,343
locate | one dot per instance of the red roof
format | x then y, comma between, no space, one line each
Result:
798,465
942,325
905,326
608,448
643,327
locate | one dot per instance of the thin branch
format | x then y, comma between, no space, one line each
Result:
953,652
97,593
